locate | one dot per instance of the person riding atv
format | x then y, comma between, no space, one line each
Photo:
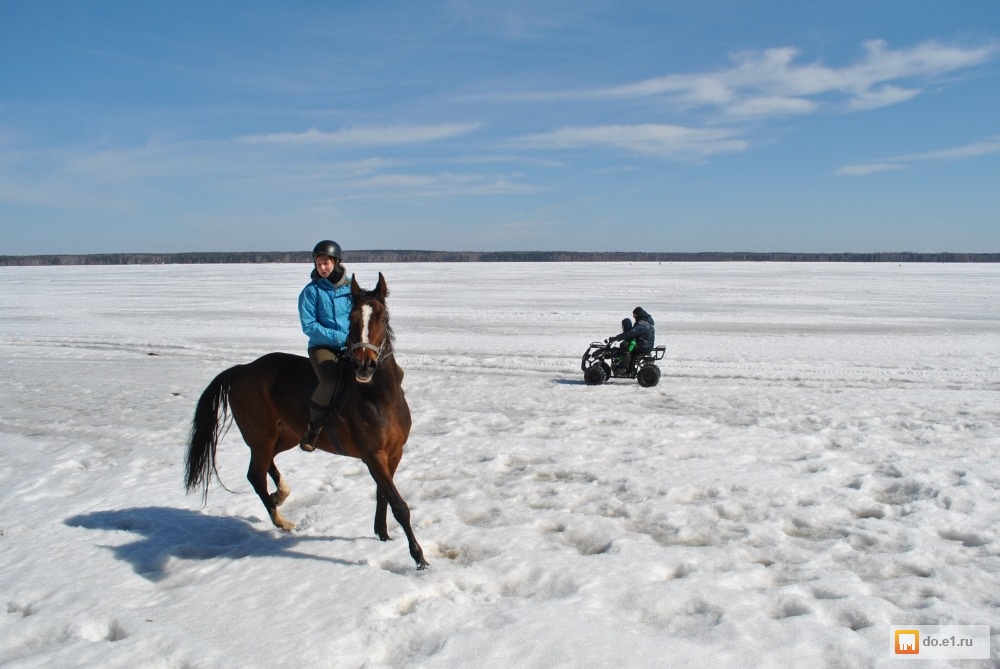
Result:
642,333
627,346
634,358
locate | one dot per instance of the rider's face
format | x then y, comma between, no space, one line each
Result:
325,265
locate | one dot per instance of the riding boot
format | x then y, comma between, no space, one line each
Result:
317,416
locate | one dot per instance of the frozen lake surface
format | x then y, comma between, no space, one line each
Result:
820,460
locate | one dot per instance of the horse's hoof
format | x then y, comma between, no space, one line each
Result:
422,566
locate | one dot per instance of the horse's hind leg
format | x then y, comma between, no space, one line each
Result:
261,462
283,491
379,469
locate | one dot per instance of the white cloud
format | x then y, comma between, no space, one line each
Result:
445,184
870,168
926,59
131,180
366,136
983,148
768,107
648,139
772,82
880,97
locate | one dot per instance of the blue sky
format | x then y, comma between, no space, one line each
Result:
654,126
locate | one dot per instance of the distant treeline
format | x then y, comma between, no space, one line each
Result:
382,256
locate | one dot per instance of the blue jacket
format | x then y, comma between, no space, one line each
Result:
324,307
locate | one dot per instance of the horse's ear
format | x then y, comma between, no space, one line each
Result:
381,289
355,288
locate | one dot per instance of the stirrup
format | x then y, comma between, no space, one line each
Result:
308,442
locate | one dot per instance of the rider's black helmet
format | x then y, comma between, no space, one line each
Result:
328,248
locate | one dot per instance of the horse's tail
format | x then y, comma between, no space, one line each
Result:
211,417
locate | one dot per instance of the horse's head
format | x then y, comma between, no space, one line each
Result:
370,337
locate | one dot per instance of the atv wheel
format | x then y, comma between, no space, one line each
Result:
595,375
648,376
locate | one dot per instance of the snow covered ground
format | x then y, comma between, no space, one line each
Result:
820,460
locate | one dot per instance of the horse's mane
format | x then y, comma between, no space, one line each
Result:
389,334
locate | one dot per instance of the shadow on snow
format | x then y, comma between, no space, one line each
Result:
189,535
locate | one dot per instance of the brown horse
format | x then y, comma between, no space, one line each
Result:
267,400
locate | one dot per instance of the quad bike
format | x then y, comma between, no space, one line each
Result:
602,361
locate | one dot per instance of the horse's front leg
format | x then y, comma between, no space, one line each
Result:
381,506
400,511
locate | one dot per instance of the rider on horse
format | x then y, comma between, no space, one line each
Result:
324,306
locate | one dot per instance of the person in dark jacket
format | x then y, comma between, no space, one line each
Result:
642,332
626,347
324,306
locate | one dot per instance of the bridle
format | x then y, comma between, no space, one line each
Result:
368,303
382,351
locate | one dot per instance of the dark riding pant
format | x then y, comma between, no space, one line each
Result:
324,362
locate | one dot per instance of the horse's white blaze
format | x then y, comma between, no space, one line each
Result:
366,315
